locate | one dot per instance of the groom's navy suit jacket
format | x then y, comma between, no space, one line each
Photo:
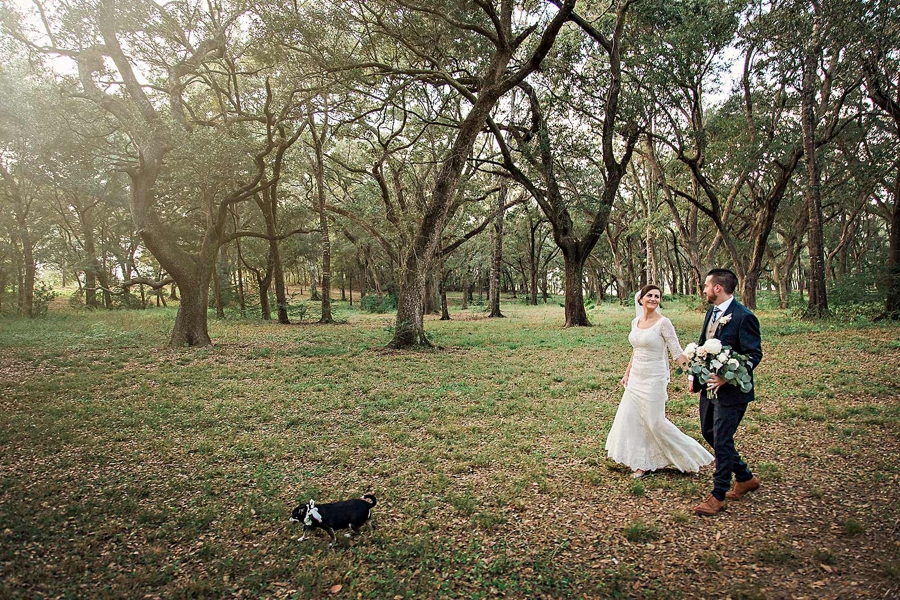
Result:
742,334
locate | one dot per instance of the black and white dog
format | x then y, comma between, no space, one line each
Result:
349,514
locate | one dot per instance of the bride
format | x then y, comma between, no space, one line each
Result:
641,437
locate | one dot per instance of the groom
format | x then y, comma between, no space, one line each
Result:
734,325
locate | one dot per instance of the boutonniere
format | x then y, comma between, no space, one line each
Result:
723,321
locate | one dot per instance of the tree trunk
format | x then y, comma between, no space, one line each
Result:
376,280
497,255
217,291
363,284
191,321
313,284
526,279
275,268
92,269
408,329
240,278
223,270
892,271
263,283
28,267
432,295
576,316
90,287
480,279
534,259
318,164
27,307
445,313
818,299
465,289
783,282
280,288
677,271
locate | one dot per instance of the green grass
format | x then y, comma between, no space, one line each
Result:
852,527
641,531
131,469
824,556
775,553
712,560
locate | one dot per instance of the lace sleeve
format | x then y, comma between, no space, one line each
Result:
668,332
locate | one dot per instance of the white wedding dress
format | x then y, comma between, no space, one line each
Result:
641,437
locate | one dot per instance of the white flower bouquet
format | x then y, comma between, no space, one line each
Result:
714,358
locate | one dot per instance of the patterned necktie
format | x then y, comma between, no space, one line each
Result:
711,328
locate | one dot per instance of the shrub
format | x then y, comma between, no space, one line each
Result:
371,304
301,309
855,288
76,300
43,296
849,313
130,299
770,300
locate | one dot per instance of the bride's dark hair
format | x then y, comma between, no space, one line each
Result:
646,289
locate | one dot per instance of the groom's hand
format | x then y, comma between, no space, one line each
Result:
714,383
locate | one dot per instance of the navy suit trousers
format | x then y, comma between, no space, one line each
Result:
718,424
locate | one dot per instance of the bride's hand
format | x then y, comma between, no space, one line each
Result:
624,380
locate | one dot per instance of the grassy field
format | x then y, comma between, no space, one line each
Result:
133,470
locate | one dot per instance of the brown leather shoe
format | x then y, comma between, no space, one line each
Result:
709,507
742,488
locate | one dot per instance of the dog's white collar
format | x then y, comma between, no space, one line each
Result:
312,513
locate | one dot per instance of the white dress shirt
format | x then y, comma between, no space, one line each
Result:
724,306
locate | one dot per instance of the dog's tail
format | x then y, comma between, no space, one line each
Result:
370,498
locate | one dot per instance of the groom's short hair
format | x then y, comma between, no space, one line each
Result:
727,279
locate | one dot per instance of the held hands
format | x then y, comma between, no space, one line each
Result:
683,362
